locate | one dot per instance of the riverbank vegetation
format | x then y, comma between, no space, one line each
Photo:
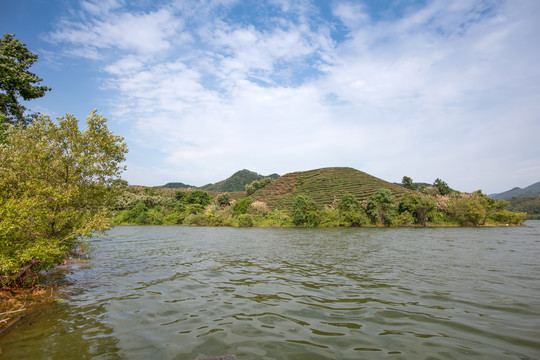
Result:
360,207
57,185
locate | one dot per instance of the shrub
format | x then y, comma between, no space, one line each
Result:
305,211
241,206
245,220
199,197
223,200
381,207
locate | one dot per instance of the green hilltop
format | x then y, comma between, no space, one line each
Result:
237,182
325,186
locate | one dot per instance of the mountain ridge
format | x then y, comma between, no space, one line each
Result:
531,190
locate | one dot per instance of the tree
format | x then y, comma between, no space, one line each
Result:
348,203
16,81
442,186
257,184
200,197
223,200
351,211
305,211
241,206
381,207
418,206
57,184
407,183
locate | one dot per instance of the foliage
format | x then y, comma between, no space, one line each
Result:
381,207
468,210
16,81
417,206
198,197
407,183
57,184
528,204
181,196
305,211
348,203
223,200
241,206
237,182
351,213
257,184
245,220
442,186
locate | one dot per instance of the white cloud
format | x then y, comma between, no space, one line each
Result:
450,90
143,33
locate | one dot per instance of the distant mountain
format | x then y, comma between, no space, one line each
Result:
237,182
531,190
177,185
325,186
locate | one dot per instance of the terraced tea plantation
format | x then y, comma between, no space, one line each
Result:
325,186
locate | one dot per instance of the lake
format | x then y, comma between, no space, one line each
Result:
284,293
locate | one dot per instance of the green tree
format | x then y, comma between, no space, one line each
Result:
381,207
241,206
407,183
469,209
305,211
16,81
257,184
348,203
57,184
181,196
223,200
200,197
418,206
442,186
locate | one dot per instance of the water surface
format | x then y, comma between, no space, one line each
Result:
264,293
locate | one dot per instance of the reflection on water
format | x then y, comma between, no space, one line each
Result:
183,293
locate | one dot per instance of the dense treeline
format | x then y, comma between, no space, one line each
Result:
196,207
528,204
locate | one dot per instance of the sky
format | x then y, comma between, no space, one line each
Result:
201,89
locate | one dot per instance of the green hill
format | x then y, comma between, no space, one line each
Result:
237,182
325,186
177,185
531,190
528,204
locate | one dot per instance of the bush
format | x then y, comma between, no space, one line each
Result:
245,220
241,206
305,211
223,200
381,207
199,197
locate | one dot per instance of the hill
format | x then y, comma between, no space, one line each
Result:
531,190
177,185
237,182
325,186
528,204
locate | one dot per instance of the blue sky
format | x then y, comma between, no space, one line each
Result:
200,89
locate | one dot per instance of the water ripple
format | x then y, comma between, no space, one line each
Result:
183,293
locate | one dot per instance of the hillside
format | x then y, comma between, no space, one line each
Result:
237,182
528,204
177,185
325,186
531,190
